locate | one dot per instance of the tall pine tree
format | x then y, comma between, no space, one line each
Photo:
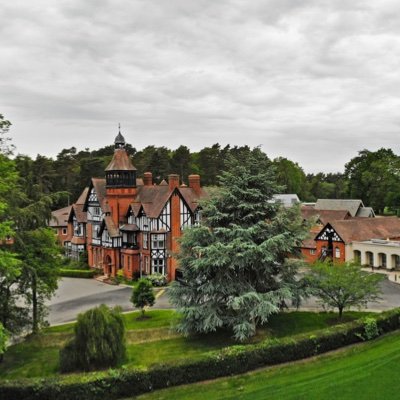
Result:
236,270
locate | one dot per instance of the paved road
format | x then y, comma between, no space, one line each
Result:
77,295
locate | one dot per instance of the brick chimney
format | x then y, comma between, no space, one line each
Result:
173,181
194,183
148,179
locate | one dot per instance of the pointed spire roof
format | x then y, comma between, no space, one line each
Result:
121,160
119,140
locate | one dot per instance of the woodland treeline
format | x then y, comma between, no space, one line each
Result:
373,176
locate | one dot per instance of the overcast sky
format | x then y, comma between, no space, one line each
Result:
313,81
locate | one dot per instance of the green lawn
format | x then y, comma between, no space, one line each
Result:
369,371
151,341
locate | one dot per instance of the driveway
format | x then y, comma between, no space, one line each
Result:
77,295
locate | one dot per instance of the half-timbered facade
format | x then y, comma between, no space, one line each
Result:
369,241
131,224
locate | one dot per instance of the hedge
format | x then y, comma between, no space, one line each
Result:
78,273
114,384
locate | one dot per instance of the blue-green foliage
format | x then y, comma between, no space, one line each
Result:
235,267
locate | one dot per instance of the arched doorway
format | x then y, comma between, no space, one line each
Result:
108,266
369,256
357,256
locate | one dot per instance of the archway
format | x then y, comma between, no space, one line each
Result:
369,258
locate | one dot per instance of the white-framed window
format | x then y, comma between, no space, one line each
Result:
146,265
158,265
337,252
157,241
312,252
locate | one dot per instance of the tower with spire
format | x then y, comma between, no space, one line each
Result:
120,179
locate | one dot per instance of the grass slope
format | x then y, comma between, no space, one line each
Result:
150,341
368,371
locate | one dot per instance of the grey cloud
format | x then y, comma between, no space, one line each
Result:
306,79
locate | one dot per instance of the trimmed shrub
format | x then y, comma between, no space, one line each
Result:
115,384
143,295
78,273
99,341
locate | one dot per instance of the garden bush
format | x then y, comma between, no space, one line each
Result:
99,341
115,384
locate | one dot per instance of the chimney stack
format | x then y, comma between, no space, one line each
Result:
173,181
194,183
148,179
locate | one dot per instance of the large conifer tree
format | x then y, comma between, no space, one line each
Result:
236,270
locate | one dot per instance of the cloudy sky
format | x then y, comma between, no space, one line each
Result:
313,81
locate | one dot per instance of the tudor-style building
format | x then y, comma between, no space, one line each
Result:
129,223
370,241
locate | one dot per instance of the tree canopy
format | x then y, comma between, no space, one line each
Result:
235,267
343,285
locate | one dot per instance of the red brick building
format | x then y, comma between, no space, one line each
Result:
131,224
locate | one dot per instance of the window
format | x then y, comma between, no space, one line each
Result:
145,241
157,242
158,266
64,231
312,252
146,265
337,252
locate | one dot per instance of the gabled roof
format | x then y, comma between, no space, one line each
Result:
81,216
111,228
152,199
191,197
59,218
82,197
120,161
324,216
360,229
366,212
352,206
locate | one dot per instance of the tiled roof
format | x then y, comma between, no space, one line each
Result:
82,197
81,216
111,228
352,206
366,212
120,162
59,218
367,228
153,199
191,197
324,216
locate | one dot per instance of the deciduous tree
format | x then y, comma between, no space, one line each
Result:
343,285
143,295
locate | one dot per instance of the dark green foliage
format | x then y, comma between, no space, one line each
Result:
374,176
143,295
235,267
99,341
41,259
3,340
117,384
